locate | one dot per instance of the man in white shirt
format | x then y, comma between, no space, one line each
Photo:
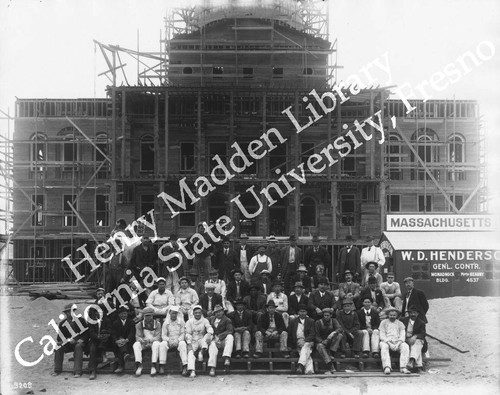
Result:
199,334
302,332
160,299
186,298
392,292
147,336
173,337
372,253
280,300
393,337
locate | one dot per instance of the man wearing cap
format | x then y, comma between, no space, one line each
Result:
392,292
143,255
199,334
209,300
291,258
371,271
414,297
348,320
259,262
393,337
274,253
186,298
123,336
415,338
316,255
147,336
226,260
255,302
369,321
237,287
302,276
280,300
74,344
374,293
350,259
349,288
195,282
301,333
161,298
245,254
372,253
271,326
243,327
266,285
173,337
296,299
320,299
328,336
223,338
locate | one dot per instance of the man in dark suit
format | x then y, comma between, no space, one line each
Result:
298,298
369,321
374,293
99,340
209,300
303,277
414,297
415,338
301,333
244,253
123,337
271,326
243,327
349,321
320,299
291,258
256,302
316,255
328,337
274,253
237,287
223,338
350,259
226,260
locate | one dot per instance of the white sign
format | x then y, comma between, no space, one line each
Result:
446,222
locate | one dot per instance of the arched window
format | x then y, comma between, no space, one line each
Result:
38,152
147,153
69,148
427,150
308,212
393,151
456,150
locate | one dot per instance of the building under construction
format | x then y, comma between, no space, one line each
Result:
225,74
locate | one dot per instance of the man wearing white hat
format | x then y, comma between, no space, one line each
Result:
160,299
147,336
199,334
173,337
223,338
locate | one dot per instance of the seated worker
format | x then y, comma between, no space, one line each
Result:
372,291
369,322
123,336
199,334
280,300
415,338
209,300
99,339
271,326
243,327
173,337
237,287
67,343
348,320
186,298
266,285
371,271
223,338
255,302
320,299
301,334
393,337
296,299
328,334
348,289
303,278
318,274
160,299
195,282
392,292
220,286
147,336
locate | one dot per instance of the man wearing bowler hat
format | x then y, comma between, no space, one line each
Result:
316,255
414,297
350,259
237,287
271,327
393,337
320,299
296,299
226,260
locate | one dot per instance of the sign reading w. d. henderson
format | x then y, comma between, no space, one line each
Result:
446,222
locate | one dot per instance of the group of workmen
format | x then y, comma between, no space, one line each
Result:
250,297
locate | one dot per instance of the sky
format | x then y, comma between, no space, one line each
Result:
47,48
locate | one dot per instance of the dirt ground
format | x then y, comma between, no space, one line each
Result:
469,323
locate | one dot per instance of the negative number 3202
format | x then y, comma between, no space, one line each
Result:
22,385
